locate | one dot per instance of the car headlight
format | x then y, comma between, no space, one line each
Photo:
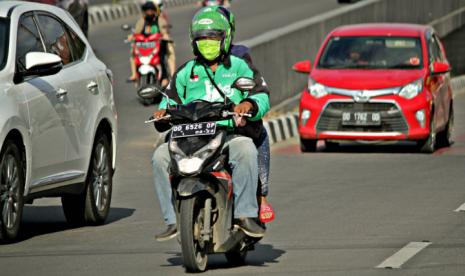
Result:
316,89
411,90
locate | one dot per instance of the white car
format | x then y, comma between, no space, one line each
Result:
58,126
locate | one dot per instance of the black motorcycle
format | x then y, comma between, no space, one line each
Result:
202,184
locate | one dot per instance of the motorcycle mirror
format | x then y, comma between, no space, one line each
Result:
244,84
126,27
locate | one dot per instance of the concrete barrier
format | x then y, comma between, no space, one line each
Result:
108,12
275,52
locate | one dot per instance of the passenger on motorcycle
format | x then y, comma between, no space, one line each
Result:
213,67
262,144
151,22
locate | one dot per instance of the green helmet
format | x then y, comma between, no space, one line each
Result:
230,17
209,22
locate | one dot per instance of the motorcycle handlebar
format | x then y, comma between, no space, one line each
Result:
152,120
225,115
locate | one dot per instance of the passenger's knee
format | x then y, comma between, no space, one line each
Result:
243,148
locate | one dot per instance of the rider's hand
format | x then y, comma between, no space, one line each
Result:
243,108
130,37
159,114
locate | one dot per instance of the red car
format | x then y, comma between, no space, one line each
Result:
378,82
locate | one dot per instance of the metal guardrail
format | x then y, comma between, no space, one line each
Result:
108,12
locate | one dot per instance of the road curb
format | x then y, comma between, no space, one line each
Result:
108,12
282,128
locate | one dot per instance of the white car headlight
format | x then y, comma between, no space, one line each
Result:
411,90
316,89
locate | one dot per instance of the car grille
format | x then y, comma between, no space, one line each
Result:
392,119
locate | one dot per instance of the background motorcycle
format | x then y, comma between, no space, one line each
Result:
148,54
201,182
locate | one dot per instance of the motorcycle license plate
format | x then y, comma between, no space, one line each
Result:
361,119
195,129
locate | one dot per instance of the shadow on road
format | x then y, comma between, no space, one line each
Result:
41,220
263,255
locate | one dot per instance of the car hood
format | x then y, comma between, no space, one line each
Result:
365,79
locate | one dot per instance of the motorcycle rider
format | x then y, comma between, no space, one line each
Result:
209,76
262,143
161,5
150,23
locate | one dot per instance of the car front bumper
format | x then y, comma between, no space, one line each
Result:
322,118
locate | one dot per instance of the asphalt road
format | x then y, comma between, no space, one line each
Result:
338,213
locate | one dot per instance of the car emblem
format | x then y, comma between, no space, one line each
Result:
361,96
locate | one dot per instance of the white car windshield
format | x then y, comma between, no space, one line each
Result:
3,42
368,52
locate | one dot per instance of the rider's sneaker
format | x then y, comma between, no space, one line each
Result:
168,234
249,227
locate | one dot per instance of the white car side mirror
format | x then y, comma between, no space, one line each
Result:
41,60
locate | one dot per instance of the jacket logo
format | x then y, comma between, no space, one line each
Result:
195,78
212,95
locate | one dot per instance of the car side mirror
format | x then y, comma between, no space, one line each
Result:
441,67
42,64
304,66
244,84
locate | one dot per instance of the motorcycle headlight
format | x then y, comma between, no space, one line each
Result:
190,165
411,90
193,164
316,89
210,148
145,60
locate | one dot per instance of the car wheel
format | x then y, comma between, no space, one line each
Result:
93,205
11,191
445,136
331,146
428,145
308,145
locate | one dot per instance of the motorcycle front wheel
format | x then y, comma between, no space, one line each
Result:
191,223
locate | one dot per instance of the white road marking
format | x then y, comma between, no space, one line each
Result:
403,255
461,208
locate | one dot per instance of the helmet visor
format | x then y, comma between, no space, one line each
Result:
208,34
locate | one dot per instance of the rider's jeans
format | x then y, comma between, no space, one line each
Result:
243,161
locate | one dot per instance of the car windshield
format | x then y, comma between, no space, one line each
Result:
368,52
3,42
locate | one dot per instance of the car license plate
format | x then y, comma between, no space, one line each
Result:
195,129
361,119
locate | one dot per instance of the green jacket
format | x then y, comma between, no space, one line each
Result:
191,82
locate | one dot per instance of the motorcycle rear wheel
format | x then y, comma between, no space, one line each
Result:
193,250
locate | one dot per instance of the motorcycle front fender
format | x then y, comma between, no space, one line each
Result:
193,185
146,69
